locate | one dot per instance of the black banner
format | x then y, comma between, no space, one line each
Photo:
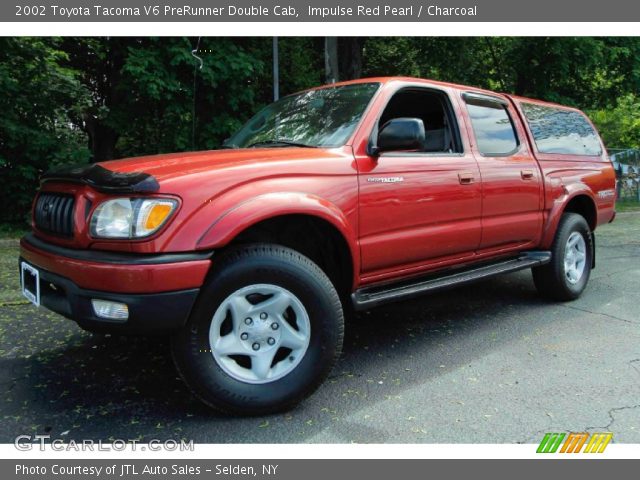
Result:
316,469
318,11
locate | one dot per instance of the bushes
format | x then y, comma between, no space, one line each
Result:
620,125
75,100
36,96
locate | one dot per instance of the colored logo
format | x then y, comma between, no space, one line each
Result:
574,442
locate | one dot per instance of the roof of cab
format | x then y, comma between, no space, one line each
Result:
457,86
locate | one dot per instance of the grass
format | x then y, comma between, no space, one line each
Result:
11,231
627,206
9,279
9,252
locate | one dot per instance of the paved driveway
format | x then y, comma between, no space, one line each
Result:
486,363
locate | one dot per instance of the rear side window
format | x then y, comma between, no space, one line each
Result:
556,130
492,127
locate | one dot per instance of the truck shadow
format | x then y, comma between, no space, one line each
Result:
81,386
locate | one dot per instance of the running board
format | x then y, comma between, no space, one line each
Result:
370,297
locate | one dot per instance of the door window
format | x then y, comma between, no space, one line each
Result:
492,127
434,109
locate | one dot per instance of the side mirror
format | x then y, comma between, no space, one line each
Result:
401,134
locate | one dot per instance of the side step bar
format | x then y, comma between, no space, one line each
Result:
370,297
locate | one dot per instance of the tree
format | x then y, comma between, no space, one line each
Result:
149,95
72,100
619,126
37,98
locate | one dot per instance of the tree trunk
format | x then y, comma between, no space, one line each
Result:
350,57
523,84
331,59
102,139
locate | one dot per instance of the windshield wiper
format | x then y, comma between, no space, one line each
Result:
280,141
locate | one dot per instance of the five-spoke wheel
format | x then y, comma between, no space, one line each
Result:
260,333
265,331
565,277
575,257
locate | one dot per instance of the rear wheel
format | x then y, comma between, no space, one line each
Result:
566,276
265,332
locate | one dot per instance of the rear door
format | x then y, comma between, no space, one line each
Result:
512,186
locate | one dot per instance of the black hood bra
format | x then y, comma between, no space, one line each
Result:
102,179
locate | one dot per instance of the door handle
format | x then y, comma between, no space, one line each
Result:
526,174
465,178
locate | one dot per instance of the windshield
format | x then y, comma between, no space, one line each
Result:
316,118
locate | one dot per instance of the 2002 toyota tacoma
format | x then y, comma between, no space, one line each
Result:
344,196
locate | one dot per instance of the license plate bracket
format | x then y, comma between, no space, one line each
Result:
30,282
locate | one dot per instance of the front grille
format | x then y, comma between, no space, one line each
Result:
54,214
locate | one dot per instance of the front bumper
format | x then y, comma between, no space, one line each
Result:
159,290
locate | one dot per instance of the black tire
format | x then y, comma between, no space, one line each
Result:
254,265
551,280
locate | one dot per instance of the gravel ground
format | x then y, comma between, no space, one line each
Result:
487,363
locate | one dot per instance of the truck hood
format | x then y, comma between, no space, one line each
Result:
144,174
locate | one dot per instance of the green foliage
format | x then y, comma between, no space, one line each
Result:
620,126
37,94
71,100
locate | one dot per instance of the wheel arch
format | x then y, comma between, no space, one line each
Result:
580,201
583,205
309,224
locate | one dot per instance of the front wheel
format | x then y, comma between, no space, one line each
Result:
265,332
565,277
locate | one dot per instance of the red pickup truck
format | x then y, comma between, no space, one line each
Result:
341,197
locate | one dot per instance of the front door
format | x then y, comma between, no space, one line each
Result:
420,208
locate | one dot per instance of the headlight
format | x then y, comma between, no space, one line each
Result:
131,217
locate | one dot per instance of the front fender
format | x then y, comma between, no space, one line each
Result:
230,223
